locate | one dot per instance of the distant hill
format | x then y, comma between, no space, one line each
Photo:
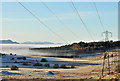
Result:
37,43
83,47
29,42
8,42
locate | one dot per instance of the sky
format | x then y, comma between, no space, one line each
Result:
19,25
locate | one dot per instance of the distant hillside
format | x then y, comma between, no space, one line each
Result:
8,42
12,42
82,47
37,43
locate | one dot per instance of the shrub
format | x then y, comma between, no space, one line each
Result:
10,53
3,54
43,60
47,65
63,66
25,64
19,58
72,66
13,67
15,62
36,60
7,66
37,64
12,58
56,66
24,58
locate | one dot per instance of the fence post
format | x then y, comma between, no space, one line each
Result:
108,64
103,63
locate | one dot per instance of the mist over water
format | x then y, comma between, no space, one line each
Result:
23,49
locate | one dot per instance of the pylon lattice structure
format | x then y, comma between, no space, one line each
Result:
107,33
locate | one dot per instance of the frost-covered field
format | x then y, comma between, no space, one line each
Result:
8,60
27,70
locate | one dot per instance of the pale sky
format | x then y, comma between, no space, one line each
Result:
19,25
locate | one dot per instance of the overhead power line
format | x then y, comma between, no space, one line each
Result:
65,26
42,22
82,20
98,15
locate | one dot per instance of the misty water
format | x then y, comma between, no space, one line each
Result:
23,49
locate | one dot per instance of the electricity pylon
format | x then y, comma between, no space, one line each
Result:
107,33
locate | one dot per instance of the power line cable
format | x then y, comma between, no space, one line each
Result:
59,20
98,15
82,20
42,22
